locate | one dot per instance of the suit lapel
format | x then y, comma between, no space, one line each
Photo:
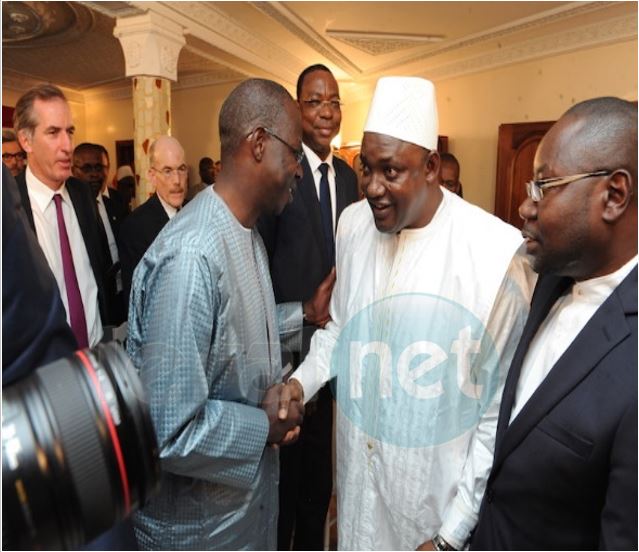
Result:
604,331
342,200
109,207
81,212
87,215
160,216
546,294
21,180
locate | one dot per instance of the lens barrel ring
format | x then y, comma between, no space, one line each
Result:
80,451
81,441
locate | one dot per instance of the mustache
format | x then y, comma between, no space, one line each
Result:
527,234
378,205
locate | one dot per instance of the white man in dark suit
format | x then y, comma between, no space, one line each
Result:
168,175
564,475
60,209
301,247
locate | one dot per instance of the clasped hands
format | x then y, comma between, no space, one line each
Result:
284,407
284,402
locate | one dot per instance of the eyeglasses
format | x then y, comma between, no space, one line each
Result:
89,168
335,105
9,156
535,188
168,172
298,153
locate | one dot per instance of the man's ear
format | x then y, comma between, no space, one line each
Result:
432,166
618,194
257,144
150,175
24,139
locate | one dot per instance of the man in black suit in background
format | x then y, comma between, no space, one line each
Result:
91,165
565,469
115,202
60,209
301,247
168,175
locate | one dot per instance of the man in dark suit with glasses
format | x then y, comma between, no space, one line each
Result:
565,467
168,175
13,156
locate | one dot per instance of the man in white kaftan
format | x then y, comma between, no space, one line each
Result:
203,333
436,285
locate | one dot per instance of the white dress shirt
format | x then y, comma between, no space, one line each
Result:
169,209
46,225
113,247
314,161
564,322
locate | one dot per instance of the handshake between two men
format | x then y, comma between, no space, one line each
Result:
285,412
284,402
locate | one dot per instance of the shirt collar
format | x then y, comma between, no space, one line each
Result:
105,192
438,220
601,287
41,194
170,210
314,161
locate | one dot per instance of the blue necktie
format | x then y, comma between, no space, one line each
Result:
327,213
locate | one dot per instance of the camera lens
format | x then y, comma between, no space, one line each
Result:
78,450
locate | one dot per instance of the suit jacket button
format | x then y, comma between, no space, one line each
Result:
490,495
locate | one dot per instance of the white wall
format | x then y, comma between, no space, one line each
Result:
472,107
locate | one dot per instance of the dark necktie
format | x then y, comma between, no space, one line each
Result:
327,213
76,309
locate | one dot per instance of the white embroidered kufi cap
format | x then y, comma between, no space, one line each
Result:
123,171
405,108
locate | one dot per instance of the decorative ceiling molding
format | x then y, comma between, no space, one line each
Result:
206,22
377,44
571,9
125,92
598,34
114,9
17,82
229,65
307,34
210,79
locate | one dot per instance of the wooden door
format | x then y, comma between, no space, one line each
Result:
516,149
124,153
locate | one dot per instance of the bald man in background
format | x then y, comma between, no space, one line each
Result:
168,175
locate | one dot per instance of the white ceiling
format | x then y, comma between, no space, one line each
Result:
72,43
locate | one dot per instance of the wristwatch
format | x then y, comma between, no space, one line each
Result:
441,544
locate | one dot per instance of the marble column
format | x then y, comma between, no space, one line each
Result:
151,46
151,118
